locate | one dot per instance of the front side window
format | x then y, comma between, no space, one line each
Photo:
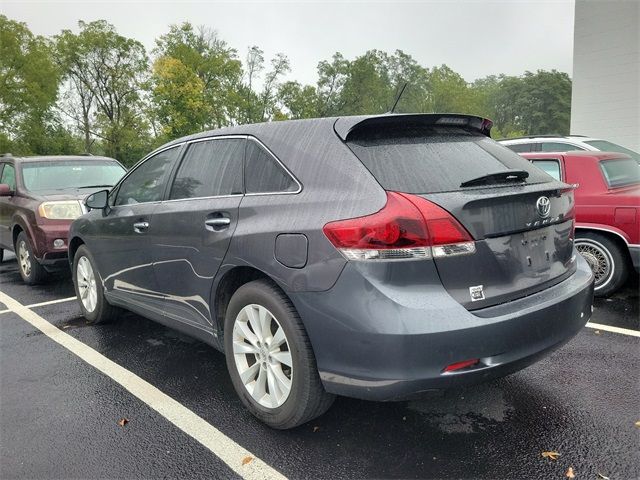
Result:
550,167
558,147
70,174
620,172
210,168
146,183
9,176
263,174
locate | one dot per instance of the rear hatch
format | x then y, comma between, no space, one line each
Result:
522,224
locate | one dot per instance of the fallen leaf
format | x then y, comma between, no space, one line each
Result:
551,455
637,424
315,429
603,476
597,332
123,421
246,460
404,419
64,327
570,473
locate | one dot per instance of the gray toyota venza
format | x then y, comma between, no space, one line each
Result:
377,257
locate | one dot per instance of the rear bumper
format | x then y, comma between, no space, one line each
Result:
374,343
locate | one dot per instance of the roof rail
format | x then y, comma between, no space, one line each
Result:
536,136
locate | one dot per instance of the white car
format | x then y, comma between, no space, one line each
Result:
554,143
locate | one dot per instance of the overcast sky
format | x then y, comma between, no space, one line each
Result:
475,38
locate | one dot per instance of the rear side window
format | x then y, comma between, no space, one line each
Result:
550,167
434,159
620,172
263,173
522,147
9,176
209,169
558,147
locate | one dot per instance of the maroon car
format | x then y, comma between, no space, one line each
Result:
607,210
39,198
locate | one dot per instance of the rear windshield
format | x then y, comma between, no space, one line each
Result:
605,146
70,174
621,172
434,159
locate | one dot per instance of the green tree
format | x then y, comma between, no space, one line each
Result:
113,69
179,98
29,81
213,62
298,100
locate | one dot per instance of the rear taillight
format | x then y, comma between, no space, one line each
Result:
407,227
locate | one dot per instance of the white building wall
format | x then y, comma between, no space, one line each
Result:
606,71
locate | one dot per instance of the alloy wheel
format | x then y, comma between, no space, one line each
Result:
24,258
87,284
262,356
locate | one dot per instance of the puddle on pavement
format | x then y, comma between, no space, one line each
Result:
465,411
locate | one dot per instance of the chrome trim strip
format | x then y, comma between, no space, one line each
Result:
201,198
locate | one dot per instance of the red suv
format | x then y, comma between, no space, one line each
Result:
607,210
39,198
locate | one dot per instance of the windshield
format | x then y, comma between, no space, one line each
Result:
620,172
435,159
605,146
70,174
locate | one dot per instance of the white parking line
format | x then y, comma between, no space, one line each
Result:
42,304
609,328
240,460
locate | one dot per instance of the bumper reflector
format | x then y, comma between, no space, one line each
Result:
460,365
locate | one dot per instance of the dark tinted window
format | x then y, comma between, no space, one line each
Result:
263,173
522,147
558,147
550,167
434,159
9,176
210,169
146,183
622,172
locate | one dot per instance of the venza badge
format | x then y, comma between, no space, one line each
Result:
543,206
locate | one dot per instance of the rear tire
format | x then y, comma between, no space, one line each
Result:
288,395
30,269
606,259
89,290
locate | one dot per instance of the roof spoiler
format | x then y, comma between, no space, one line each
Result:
345,126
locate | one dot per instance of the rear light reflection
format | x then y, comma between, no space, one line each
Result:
407,227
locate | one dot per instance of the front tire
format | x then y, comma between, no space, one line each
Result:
606,259
30,269
270,359
89,291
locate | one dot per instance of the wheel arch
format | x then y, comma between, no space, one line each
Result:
611,233
74,244
227,285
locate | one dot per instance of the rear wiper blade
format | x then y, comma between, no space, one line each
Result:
506,176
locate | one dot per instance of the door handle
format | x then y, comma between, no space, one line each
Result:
140,227
218,222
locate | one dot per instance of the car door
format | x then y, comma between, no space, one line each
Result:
7,176
193,227
122,243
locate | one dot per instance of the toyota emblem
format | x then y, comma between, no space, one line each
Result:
543,206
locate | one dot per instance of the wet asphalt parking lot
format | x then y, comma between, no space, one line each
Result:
59,414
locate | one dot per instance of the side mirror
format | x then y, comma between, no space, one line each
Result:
5,190
98,200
